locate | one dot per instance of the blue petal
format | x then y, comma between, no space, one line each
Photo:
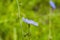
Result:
52,4
30,21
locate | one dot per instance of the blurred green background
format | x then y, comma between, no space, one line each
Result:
13,28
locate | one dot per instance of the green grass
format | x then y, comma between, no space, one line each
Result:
9,20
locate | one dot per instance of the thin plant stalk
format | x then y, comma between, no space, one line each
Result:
19,18
50,36
15,34
29,31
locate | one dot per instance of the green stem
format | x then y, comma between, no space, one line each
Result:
15,35
29,31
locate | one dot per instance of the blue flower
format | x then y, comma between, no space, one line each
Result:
30,21
52,4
